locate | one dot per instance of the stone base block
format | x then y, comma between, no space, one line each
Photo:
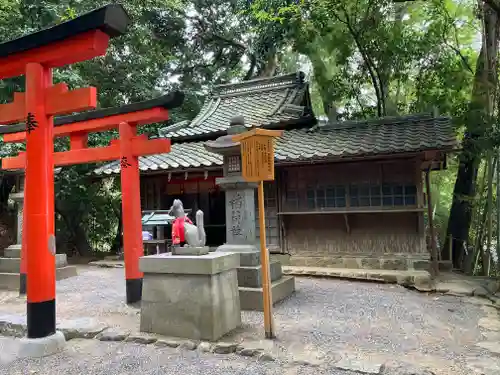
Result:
252,276
38,348
10,281
251,298
187,250
249,254
13,265
193,297
395,262
13,251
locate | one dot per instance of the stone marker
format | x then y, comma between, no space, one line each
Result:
10,264
190,296
241,228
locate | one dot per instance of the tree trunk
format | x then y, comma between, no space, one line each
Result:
498,209
81,241
269,69
491,162
7,182
477,122
118,241
78,237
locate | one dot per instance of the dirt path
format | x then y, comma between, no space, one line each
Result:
355,325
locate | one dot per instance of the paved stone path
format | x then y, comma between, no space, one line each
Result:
327,323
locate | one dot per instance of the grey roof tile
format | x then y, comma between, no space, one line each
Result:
381,136
182,155
262,102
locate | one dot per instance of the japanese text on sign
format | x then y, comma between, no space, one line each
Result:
236,204
124,162
31,123
258,158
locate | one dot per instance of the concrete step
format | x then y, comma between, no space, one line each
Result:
251,276
13,251
10,281
13,265
252,298
420,279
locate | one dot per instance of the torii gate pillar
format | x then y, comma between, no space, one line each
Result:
131,208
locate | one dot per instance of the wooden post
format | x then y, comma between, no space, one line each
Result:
131,208
266,274
257,151
434,260
39,210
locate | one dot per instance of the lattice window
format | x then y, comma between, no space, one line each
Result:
291,200
233,163
387,195
321,197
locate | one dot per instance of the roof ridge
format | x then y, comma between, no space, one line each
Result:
386,120
259,83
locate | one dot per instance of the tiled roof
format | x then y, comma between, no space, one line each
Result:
181,156
369,137
262,102
347,139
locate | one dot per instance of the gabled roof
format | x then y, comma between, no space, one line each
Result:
266,102
385,136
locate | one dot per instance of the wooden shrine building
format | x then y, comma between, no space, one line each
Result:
347,194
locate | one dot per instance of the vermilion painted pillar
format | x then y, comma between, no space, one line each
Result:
131,208
39,209
24,245
23,267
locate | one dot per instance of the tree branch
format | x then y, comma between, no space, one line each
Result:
369,63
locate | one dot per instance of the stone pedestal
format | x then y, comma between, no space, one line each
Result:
189,250
250,280
10,263
241,239
190,296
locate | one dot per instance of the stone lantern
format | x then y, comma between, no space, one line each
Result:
240,195
241,224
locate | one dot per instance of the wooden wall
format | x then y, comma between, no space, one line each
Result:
353,208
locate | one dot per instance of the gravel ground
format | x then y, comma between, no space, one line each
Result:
91,357
326,320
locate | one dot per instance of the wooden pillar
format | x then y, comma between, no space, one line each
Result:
23,269
39,211
434,256
131,213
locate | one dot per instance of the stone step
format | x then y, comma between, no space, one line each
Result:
10,281
13,251
13,265
252,276
252,298
418,279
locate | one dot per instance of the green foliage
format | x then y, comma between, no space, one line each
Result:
365,58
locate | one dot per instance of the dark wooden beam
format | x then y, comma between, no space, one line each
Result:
434,255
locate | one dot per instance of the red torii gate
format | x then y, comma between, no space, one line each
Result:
35,55
127,148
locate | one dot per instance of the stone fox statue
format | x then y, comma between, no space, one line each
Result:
183,230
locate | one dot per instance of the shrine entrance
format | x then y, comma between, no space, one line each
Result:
34,56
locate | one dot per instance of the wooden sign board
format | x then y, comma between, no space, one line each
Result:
257,154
